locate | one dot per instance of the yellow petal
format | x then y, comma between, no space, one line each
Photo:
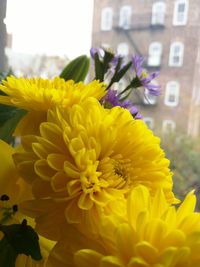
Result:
56,161
87,258
147,252
110,261
126,239
8,172
135,207
43,170
187,206
85,202
59,182
29,124
137,262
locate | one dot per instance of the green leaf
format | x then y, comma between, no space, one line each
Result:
118,75
108,57
7,254
77,69
4,74
99,68
6,112
8,128
19,239
102,65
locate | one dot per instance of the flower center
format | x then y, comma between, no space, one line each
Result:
115,172
119,170
144,74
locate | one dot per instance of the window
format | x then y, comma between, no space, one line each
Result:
158,13
176,54
125,17
149,122
168,126
106,19
155,53
180,12
172,94
122,49
148,98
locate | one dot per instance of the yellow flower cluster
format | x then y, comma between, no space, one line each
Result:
38,95
95,180
152,234
13,186
87,157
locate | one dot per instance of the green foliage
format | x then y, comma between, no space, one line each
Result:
77,69
102,64
18,239
8,128
6,112
7,254
9,116
119,72
184,154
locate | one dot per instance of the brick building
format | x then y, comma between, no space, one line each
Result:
167,34
3,35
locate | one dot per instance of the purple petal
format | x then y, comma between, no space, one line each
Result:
138,116
133,110
153,75
137,64
153,86
154,92
112,98
94,51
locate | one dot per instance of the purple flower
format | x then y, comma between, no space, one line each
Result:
111,99
143,77
98,51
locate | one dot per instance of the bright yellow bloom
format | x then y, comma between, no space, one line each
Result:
10,182
86,157
37,95
154,234
17,190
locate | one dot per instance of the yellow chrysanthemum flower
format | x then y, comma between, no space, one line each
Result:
10,182
154,234
15,188
37,95
86,157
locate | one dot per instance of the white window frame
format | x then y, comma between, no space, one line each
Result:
106,19
125,17
154,58
180,18
158,13
149,122
172,88
166,124
123,49
173,54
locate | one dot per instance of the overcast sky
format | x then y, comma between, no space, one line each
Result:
52,27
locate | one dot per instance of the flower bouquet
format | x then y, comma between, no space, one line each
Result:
88,184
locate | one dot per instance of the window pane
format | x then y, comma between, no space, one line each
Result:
181,7
106,19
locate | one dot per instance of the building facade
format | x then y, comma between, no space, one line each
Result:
167,34
3,35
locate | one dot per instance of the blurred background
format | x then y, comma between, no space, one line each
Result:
39,37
